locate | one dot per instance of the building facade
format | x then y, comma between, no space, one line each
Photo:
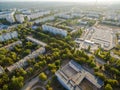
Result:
54,30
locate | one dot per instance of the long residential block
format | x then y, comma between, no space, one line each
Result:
36,41
9,35
23,62
54,30
10,46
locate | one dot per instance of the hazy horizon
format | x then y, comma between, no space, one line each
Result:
81,1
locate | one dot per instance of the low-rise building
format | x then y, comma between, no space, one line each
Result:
74,77
37,15
54,30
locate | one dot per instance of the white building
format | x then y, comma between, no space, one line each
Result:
23,62
37,15
54,30
10,17
65,16
83,22
14,34
19,18
36,41
9,35
3,15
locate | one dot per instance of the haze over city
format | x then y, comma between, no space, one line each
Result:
59,44
111,1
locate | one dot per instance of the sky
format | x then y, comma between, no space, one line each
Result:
103,1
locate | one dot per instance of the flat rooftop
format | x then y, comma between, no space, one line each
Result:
72,76
36,41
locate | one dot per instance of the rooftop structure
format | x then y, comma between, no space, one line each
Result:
23,62
73,77
36,41
103,36
54,30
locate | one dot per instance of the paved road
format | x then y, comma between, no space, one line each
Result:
115,56
38,87
29,85
100,61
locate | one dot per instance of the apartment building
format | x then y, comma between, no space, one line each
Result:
54,30
37,15
9,35
50,18
36,41
10,46
23,62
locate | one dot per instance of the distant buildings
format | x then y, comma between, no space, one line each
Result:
54,30
83,22
10,17
73,77
23,62
111,19
65,16
50,18
77,15
3,15
19,18
9,35
37,15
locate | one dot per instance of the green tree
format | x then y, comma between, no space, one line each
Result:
89,47
17,82
108,87
5,87
43,76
